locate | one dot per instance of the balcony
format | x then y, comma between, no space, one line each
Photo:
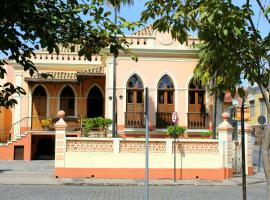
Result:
197,120
163,119
134,120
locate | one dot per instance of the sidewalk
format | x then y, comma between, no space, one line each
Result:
49,179
256,179
41,173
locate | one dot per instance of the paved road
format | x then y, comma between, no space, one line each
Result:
30,192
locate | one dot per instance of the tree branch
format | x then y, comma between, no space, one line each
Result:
262,8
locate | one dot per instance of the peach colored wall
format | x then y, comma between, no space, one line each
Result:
150,72
7,152
54,90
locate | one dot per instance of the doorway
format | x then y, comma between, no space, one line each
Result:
95,103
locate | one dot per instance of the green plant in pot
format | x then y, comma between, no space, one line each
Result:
206,134
46,123
178,130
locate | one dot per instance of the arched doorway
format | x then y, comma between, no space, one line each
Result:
197,114
45,148
134,116
67,101
95,103
39,106
166,102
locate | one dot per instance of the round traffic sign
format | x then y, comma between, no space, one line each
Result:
261,119
174,117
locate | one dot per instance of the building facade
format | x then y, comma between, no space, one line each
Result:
83,89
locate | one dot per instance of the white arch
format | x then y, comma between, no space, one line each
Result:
130,75
31,97
75,97
189,78
168,74
98,86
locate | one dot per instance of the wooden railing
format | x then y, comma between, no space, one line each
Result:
197,120
134,120
163,119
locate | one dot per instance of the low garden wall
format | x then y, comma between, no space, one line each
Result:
120,158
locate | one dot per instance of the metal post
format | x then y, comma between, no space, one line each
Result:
114,83
174,151
243,152
146,145
260,151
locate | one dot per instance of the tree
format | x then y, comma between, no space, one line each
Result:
25,26
232,50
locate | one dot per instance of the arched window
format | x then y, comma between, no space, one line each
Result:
197,114
134,117
196,95
39,102
165,99
165,91
134,90
67,101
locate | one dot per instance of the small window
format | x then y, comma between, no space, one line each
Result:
191,97
262,107
201,98
130,96
170,98
161,97
252,108
139,97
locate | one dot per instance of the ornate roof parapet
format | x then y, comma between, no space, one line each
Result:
56,76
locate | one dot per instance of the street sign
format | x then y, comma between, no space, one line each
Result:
261,119
174,117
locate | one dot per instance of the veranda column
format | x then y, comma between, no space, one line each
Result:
225,145
17,108
109,89
60,140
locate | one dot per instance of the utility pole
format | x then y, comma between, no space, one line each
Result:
243,152
146,195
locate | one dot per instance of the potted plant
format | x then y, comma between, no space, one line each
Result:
206,134
178,130
46,123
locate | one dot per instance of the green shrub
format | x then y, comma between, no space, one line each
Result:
206,133
179,130
98,123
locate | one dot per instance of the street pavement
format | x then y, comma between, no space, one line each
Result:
35,180
45,192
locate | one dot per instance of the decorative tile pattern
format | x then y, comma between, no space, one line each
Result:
197,147
89,146
139,147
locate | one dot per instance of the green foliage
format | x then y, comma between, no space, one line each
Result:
98,123
206,134
25,26
178,130
232,47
